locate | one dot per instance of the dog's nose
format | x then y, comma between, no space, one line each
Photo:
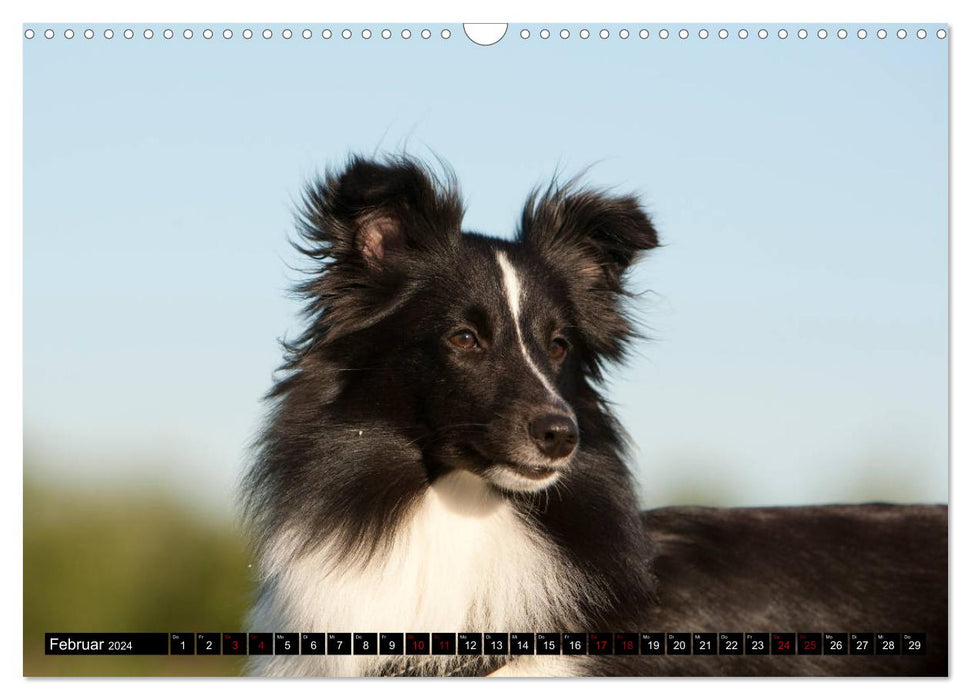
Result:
554,434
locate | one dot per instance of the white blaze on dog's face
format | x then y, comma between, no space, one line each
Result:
501,381
557,426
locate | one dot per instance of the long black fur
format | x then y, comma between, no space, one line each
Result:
369,410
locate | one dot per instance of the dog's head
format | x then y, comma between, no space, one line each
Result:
482,351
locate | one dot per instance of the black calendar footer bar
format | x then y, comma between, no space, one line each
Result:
489,643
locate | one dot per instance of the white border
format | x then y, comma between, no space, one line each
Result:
709,11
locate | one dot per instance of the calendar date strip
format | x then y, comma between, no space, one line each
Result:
486,643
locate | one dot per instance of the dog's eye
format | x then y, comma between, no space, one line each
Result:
464,339
558,348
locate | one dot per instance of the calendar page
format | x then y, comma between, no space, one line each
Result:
531,349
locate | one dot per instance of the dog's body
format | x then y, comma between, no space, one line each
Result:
439,457
856,568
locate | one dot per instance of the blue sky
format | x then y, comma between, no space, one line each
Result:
797,314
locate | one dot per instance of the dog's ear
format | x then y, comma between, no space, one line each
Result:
373,212
590,238
367,225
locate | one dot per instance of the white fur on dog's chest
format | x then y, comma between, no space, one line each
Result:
463,560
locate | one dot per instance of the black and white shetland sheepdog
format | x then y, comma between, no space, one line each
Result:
439,457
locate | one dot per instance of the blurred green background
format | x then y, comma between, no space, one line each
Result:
127,560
